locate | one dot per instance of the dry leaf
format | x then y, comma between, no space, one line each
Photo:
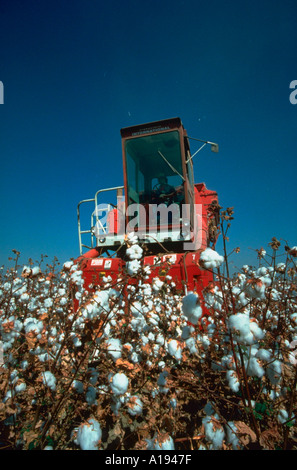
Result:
244,433
269,438
124,364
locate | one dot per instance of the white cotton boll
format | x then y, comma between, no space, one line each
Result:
254,368
132,238
233,381
241,299
89,435
78,295
191,345
76,340
14,376
262,271
293,318
187,331
173,403
155,350
160,442
101,298
151,336
68,265
274,372
135,406
162,381
32,324
264,355
228,361
91,395
210,259
21,387
32,305
153,319
214,431
119,383
255,288
245,330
135,357
266,280
256,331
157,284
191,308
231,437
114,347
27,271
213,299
134,252
78,386
24,297
43,357
160,339
281,268
36,270
146,289
6,286
133,267
205,341
282,416
63,301
49,380
275,295
24,365
136,309
175,349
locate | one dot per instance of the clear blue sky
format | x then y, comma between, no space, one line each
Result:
75,72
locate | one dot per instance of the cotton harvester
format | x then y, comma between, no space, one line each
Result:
173,218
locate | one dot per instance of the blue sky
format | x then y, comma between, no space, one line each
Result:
76,72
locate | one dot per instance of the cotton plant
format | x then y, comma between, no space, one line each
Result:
102,353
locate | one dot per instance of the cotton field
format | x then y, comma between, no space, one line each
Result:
136,367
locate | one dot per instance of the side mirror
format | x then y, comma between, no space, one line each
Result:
214,148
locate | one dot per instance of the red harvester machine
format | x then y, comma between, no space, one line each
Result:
174,218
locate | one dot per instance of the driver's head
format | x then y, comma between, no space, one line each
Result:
162,179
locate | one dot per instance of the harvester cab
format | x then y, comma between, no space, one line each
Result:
173,218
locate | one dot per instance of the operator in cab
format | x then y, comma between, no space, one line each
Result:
163,190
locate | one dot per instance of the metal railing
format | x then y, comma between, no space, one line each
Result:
95,201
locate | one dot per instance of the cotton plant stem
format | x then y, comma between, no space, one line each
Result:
256,429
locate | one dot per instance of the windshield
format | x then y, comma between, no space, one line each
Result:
150,158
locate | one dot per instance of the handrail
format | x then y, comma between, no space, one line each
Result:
95,200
